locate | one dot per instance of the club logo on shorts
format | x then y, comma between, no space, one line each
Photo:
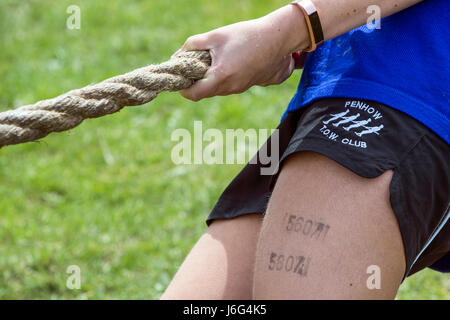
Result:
350,126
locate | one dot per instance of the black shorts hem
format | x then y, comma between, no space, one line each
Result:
420,185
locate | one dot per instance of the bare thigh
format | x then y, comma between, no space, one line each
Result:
326,234
221,264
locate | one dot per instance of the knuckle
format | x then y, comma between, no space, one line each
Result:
224,72
193,96
236,87
233,86
188,94
279,79
197,95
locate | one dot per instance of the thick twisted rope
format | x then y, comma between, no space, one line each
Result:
32,122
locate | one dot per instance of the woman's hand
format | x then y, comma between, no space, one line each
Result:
255,52
258,52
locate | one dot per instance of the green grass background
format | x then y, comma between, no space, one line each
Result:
106,196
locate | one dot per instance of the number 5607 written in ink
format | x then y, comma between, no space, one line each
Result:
296,264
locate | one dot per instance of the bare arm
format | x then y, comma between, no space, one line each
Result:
258,52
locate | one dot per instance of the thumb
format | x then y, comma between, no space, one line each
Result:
197,42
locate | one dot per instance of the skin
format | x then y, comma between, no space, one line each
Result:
232,260
219,266
363,231
258,52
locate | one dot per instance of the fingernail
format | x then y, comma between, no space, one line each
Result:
176,53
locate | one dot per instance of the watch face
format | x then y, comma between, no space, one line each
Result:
308,6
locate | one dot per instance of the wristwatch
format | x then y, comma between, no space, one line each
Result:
312,21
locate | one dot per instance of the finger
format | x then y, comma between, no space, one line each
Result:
284,72
291,68
197,42
203,88
176,53
300,58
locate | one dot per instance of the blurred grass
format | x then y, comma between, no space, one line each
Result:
106,196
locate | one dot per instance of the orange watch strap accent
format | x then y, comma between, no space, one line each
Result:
312,21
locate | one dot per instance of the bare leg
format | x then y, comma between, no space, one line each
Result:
220,266
324,227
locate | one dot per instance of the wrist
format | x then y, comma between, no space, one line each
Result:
289,27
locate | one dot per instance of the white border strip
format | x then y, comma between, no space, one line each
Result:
433,235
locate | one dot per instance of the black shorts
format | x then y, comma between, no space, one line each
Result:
368,138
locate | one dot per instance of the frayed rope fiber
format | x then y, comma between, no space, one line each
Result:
35,121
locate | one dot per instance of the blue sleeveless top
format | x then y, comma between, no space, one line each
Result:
404,65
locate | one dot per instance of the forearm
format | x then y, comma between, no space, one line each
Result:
258,52
337,17
341,16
